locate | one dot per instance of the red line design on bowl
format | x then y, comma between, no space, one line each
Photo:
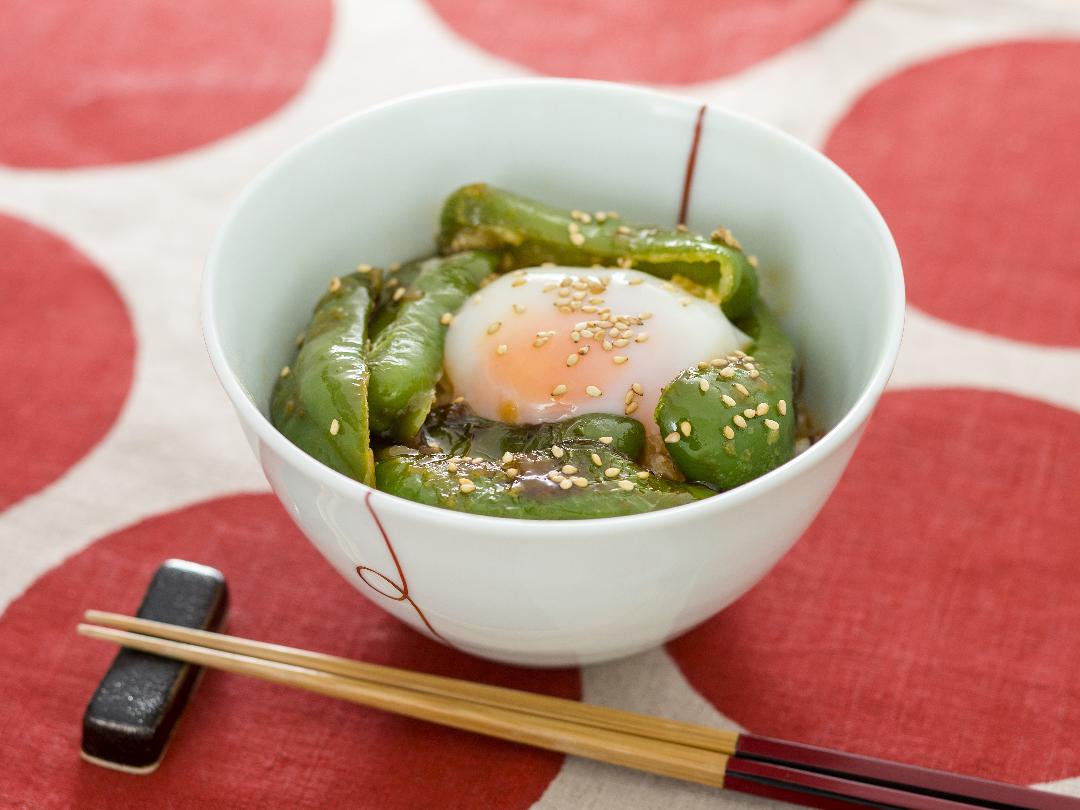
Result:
691,162
401,587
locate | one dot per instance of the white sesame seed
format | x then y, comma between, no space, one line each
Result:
584,350
452,467
557,451
285,371
630,408
738,420
606,439
728,432
635,281
627,485
363,268
511,472
466,485
772,424
334,427
754,374
672,437
638,389
728,400
580,482
577,239
501,348
571,359
446,319
685,428
782,407
703,384
507,457
494,327
519,308
566,483
399,293
727,373
752,259
763,409
606,345
741,389
519,282
625,231
619,359
558,390
335,284
643,474
593,391
749,413
596,460
569,469
611,472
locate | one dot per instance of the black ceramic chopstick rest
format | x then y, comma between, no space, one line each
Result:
136,706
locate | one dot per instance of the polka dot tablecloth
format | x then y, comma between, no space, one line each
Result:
931,613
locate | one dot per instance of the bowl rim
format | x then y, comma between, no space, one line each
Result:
349,488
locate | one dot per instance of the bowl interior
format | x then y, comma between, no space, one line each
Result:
369,190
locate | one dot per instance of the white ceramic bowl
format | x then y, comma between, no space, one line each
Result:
369,188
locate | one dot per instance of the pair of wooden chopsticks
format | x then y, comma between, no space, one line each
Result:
798,773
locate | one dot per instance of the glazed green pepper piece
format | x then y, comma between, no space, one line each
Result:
530,233
320,401
523,486
728,445
407,356
457,431
386,308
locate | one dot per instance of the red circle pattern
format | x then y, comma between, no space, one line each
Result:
638,40
67,349
929,614
121,80
972,160
239,737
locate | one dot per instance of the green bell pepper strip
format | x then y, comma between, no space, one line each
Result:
320,401
523,487
727,444
529,233
406,356
455,430
386,308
